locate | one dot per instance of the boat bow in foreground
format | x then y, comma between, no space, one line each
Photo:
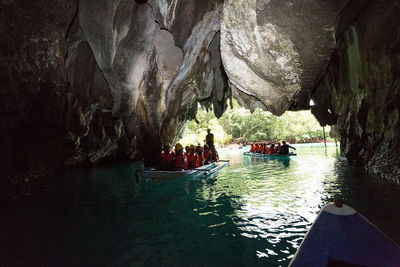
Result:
340,236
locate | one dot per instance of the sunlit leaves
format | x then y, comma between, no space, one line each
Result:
240,124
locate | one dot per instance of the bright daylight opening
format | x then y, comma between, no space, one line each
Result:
238,127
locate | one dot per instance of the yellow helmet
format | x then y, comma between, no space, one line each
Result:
178,146
166,144
191,146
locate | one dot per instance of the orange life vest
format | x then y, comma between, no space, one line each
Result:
200,160
180,161
169,157
207,156
191,160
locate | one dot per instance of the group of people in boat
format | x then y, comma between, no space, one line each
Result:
193,156
271,148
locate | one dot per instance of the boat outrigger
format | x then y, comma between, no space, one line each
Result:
261,155
340,236
159,175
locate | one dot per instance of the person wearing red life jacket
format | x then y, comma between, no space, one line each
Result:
187,150
180,159
214,154
253,148
191,158
167,157
263,148
200,156
272,149
259,148
278,148
266,149
207,155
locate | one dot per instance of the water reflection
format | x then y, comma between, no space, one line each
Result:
254,212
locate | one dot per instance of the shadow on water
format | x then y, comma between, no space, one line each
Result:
77,223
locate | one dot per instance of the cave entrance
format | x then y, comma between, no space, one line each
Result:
239,126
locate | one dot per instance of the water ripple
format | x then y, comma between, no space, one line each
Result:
253,213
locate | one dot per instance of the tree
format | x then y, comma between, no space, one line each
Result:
238,123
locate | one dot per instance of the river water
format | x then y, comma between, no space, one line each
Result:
254,212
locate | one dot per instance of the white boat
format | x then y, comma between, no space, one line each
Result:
159,175
340,236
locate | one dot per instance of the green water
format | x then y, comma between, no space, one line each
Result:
254,212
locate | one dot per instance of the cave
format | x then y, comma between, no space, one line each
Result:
94,81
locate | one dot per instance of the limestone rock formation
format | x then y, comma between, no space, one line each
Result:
361,88
88,80
276,51
159,59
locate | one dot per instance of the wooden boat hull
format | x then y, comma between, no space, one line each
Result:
158,175
343,237
259,155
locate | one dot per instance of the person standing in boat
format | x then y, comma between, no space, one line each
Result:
179,159
285,148
209,138
191,158
167,157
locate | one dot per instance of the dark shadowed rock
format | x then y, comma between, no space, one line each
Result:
33,92
361,88
113,79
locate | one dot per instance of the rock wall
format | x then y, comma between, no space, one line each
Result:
33,92
159,59
107,80
276,51
89,80
360,90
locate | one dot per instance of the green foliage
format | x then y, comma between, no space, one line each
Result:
239,124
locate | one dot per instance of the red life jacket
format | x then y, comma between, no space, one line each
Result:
252,148
207,156
180,162
191,160
200,160
186,162
168,157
